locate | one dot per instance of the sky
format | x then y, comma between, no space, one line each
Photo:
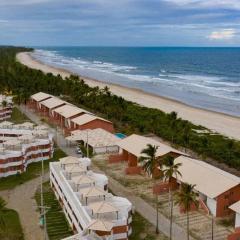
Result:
120,22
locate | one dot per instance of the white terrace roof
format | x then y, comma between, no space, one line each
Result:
95,137
68,110
69,160
83,179
86,118
93,192
235,207
75,169
5,124
52,102
100,225
40,96
102,207
209,180
136,143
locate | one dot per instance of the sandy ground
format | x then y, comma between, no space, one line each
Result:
21,199
221,123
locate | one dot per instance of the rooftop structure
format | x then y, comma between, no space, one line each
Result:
40,96
50,104
92,212
99,139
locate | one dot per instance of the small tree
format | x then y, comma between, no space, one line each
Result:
186,197
150,165
170,171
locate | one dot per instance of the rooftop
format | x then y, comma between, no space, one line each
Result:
86,118
136,143
209,180
68,110
52,102
95,137
40,96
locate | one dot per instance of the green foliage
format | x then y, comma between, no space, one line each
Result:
149,160
57,225
143,230
127,116
18,117
10,227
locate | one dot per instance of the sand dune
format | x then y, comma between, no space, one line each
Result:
224,124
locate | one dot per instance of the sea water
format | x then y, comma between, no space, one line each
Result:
208,78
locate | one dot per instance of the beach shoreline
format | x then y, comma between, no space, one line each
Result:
219,122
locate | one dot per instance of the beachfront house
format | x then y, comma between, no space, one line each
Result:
47,106
89,121
36,98
131,148
217,189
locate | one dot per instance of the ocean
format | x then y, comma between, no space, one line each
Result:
207,78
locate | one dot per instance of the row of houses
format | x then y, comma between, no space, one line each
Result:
92,212
66,115
6,106
22,144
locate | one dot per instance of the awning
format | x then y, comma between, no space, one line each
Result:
102,207
93,192
69,160
100,225
83,179
75,169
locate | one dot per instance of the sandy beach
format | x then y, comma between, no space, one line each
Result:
221,123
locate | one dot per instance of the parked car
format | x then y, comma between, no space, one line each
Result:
79,151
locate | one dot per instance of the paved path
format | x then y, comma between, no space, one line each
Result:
21,199
141,206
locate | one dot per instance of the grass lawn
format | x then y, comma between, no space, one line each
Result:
12,229
18,117
57,225
33,171
143,230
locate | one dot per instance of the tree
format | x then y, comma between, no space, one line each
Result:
186,197
2,209
150,165
170,171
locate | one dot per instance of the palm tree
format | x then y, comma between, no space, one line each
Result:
186,197
170,171
150,164
2,209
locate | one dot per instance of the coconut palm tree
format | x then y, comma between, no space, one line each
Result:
170,171
150,164
186,197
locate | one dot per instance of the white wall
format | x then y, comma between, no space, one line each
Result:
212,205
237,220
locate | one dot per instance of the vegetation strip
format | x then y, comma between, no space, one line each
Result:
57,225
10,226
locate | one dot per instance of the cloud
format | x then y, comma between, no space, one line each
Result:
225,34
225,4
